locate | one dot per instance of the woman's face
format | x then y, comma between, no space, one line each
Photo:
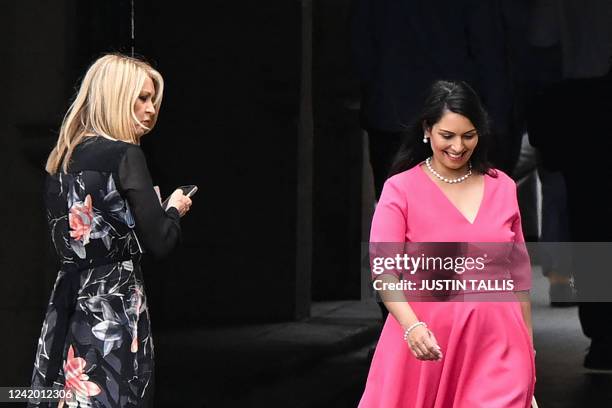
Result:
453,140
143,108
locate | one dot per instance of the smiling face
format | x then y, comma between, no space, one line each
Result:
453,140
144,108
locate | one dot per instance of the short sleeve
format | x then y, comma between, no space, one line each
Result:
389,220
520,262
158,231
388,231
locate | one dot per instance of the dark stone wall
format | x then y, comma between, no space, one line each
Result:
230,123
338,157
33,75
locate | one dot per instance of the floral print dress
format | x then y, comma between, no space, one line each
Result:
96,336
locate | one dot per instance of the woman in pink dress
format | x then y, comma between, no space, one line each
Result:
451,354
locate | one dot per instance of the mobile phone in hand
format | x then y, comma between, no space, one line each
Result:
189,190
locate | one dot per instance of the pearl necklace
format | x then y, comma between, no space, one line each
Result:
447,180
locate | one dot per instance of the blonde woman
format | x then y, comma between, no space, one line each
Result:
103,213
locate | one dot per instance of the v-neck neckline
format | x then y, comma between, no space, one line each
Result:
449,201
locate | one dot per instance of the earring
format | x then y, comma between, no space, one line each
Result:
424,138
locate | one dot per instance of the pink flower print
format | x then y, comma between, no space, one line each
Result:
134,345
76,379
80,219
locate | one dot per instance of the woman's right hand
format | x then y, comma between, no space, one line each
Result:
180,201
423,344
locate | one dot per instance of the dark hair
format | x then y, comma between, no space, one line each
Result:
453,96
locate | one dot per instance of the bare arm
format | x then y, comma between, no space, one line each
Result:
388,234
421,340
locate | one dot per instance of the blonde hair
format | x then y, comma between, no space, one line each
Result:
104,105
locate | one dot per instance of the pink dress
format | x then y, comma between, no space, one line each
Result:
488,356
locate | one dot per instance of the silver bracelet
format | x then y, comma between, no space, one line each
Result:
411,327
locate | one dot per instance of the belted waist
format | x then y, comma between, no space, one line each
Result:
92,263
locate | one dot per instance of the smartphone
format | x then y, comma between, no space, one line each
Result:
189,190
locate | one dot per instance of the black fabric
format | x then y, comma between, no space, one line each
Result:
595,321
97,153
581,144
158,231
64,298
96,338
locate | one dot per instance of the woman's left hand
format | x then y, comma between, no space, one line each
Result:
424,345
